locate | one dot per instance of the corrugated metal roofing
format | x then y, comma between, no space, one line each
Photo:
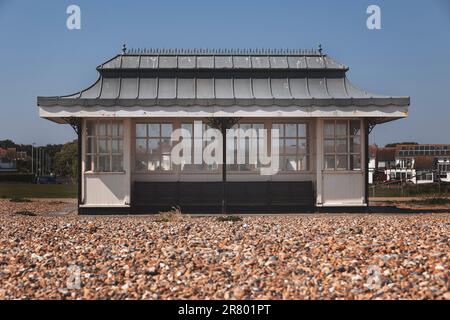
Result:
222,77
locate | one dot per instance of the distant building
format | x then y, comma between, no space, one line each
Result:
414,163
7,160
372,162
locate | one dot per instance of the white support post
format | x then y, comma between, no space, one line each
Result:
319,161
127,136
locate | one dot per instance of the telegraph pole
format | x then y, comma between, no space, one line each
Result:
32,154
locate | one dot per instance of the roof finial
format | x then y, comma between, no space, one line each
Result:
124,48
320,49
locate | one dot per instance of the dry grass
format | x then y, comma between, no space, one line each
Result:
174,215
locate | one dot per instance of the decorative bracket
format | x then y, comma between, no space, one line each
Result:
222,122
371,125
75,123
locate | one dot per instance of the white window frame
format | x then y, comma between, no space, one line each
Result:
298,154
92,156
147,138
348,137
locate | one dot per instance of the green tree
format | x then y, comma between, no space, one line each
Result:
5,144
66,161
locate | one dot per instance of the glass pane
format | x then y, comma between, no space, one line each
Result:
291,130
153,163
328,146
341,146
103,145
303,130
153,130
90,128
302,146
88,163
280,129
153,146
355,162
141,130
281,146
341,128
141,162
187,126
342,162
329,162
166,145
290,163
102,129
104,164
328,129
303,163
141,146
166,163
166,130
90,145
355,145
291,146
117,163
355,127
117,145
116,129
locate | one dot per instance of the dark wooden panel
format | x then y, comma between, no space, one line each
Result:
200,193
248,193
265,196
152,193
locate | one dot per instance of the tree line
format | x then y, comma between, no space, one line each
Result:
63,157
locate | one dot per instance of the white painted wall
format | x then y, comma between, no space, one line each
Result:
346,188
106,189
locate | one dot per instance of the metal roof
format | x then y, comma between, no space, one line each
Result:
222,77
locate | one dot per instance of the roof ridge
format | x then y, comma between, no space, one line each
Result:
222,51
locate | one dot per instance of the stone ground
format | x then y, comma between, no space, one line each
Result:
320,256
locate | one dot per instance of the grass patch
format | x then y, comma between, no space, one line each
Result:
432,201
229,218
26,213
20,200
410,190
173,215
28,190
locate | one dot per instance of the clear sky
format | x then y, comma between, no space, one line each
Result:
410,55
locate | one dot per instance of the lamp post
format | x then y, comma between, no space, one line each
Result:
42,161
39,161
32,157
223,124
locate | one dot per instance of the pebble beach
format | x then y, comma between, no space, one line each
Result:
318,256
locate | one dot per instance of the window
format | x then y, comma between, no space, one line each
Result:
342,145
153,147
104,147
198,141
246,143
294,146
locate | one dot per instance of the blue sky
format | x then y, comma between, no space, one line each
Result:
409,56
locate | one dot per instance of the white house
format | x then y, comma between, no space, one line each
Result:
416,163
125,121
